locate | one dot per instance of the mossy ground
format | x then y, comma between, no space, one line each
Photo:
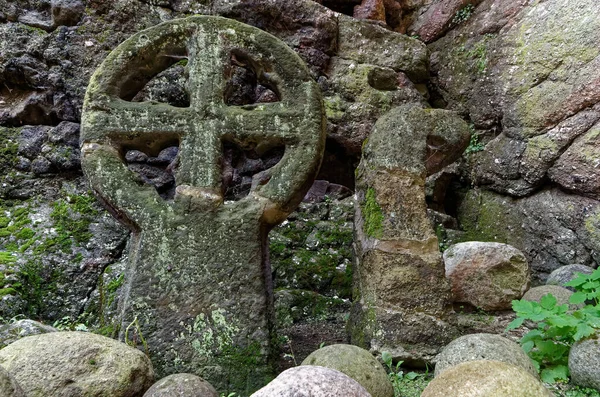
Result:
29,237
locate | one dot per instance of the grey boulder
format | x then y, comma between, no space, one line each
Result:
77,364
357,363
476,347
181,385
312,381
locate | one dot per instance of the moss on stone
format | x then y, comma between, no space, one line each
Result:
373,215
8,148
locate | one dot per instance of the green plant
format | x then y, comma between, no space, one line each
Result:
133,341
405,384
463,14
479,53
68,324
474,144
558,327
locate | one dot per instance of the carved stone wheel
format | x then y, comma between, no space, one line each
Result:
113,124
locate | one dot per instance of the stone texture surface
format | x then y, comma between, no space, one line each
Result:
566,273
584,363
485,378
561,294
20,329
476,347
486,275
531,114
551,228
181,385
397,258
312,381
77,363
355,362
9,386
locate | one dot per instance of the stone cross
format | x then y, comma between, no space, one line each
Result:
198,289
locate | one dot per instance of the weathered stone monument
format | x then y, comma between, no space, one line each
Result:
401,298
198,290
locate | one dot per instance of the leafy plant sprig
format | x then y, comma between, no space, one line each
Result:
558,327
395,373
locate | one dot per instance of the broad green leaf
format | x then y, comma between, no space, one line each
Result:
516,323
411,375
583,330
387,358
577,281
548,301
534,334
590,285
563,321
577,298
552,374
527,346
523,306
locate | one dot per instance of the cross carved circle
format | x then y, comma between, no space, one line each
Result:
111,122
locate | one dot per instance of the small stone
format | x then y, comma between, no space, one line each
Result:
40,165
561,294
355,362
370,9
475,347
312,381
67,12
31,140
564,274
166,156
66,133
584,363
135,156
20,329
181,385
265,95
23,163
383,79
486,275
485,378
154,176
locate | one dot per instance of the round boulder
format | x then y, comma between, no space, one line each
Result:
77,364
9,386
357,363
561,294
20,329
182,385
486,275
312,381
564,274
584,363
476,347
485,378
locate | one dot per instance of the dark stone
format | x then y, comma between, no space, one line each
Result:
67,12
64,158
383,79
166,156
135,156
155,176
40,165
23,163
66,133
